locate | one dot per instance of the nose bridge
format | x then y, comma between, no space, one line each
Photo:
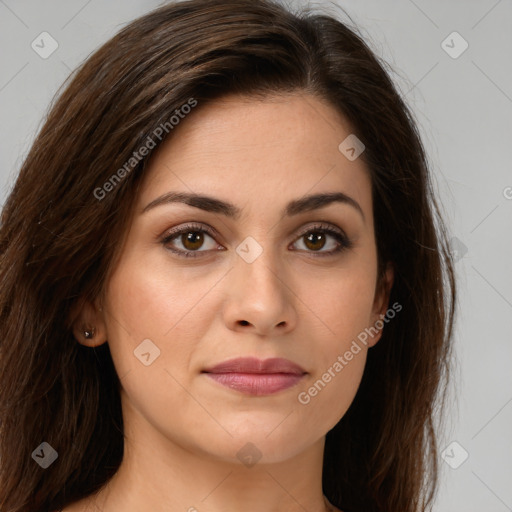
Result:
258,266
258,290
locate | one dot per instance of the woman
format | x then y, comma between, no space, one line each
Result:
225,280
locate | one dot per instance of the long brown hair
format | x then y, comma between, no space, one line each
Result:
59,243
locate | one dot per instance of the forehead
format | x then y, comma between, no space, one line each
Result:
259,153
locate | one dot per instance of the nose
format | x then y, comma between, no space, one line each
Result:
260,297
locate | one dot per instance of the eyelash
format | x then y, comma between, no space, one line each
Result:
341,238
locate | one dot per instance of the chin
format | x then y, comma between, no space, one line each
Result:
265,442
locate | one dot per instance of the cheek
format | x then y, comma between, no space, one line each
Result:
327,395
148,303
342,302
156,303
342,306
339,363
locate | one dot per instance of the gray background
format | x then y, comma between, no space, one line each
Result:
464,108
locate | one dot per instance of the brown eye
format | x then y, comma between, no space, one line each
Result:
192,238
319,237
315,241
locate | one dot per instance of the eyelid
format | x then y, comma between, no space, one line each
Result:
214,233
191,226
322,225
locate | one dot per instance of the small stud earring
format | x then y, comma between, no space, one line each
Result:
88,334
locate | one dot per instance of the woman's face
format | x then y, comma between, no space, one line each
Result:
254,274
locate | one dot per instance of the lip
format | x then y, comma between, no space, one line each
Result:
256,377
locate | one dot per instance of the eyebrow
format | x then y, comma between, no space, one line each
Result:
295,207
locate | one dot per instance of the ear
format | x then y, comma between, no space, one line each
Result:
381,301
88,316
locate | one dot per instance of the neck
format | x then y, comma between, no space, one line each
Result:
159,474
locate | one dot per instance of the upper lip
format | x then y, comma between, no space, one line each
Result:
255,365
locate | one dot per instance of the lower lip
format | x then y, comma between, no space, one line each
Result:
256,384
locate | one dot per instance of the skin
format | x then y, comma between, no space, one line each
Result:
289,302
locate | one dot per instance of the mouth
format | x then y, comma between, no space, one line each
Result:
256,377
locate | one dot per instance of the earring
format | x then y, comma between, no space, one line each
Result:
89,334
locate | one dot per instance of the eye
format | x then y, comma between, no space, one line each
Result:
316,238
192,238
